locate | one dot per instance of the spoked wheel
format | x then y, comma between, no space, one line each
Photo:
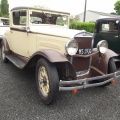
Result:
3,56
47,81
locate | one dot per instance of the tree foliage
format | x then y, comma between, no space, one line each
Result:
41,7
117,7
1,14
75,18
88,26
4,8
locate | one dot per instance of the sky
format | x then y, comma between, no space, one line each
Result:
74,7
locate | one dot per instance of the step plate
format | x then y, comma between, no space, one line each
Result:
17,62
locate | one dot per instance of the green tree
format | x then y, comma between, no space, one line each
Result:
1,14
117,7
41,7
4,8
75,18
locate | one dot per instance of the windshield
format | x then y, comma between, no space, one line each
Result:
37,18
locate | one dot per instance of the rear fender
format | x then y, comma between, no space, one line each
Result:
7,48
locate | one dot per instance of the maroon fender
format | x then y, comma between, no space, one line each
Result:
100,61
52,56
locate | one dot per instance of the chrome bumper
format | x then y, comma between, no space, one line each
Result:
84,83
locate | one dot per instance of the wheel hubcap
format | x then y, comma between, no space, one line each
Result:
43,81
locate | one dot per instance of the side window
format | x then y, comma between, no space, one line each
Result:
110,26
19,18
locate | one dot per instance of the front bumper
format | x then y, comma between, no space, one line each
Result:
84,83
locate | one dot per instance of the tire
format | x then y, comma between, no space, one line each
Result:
111,68
47,81
3,56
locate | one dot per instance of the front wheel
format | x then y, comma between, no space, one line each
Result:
111,68
47,81
3,56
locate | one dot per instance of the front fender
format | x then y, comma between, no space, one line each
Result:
51,55
64,67
100,61
110,54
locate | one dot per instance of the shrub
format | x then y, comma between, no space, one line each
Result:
88,26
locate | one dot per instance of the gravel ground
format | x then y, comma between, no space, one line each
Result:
19,100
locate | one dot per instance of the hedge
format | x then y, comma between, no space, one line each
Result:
88,26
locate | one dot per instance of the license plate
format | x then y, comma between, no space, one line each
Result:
85,51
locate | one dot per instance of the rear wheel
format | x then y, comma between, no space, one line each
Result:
47,81
3,56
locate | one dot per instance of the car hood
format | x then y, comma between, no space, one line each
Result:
55,30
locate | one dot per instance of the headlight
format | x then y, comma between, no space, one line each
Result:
72,47
102,46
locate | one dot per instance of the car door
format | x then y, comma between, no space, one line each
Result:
19,33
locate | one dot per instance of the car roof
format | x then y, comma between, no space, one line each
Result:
34,8
108,19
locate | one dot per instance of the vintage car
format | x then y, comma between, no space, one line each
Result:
64,58
108,29
4,25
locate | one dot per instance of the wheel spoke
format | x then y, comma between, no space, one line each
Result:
43,81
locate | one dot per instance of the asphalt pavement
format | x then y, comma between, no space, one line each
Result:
19,99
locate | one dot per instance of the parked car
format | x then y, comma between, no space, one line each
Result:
4,25
109,29
64,58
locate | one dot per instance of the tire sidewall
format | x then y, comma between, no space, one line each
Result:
111,66
4,59
53,84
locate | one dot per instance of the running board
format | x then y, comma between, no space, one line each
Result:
16,61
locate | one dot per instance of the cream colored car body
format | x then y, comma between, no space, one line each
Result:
27,39
37,39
